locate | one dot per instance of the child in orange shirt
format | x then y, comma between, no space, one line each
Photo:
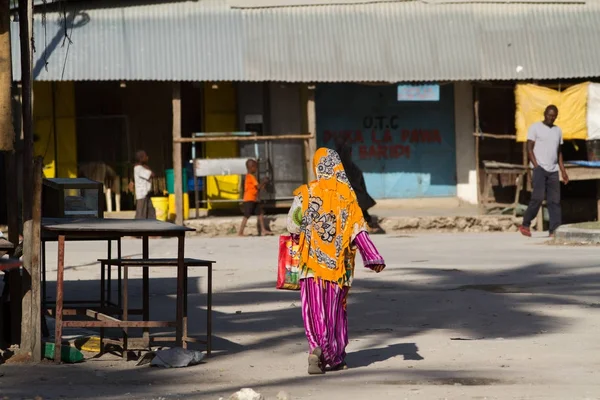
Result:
251,205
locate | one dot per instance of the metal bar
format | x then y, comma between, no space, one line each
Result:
242,138
180,288
146,289
44,288
185,304
125,310
122,324
105,310
60,275
119,275
102,286
171,339
209,312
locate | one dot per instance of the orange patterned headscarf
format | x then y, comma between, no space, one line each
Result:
331,218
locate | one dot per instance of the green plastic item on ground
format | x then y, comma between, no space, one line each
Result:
68,354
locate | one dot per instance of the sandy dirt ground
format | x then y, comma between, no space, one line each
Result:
454,316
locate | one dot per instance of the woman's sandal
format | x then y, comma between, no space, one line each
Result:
340,367
315,365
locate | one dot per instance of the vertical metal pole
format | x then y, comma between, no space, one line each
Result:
60,274
146,290
180,290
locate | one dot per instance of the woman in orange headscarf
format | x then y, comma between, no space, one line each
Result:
329,226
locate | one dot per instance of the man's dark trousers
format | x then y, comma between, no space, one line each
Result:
545,184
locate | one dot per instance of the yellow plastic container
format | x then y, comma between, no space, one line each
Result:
186,207
161,205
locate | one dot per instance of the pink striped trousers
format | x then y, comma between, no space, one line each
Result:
325,319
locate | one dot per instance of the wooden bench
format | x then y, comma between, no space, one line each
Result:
126,263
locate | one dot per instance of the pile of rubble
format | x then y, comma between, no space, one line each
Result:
227,226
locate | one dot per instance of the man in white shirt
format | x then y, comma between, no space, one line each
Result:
142,177
544,141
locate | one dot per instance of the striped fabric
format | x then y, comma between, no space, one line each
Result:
325,319
368,251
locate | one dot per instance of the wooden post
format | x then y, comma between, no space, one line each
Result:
477,145
310,145
177,163
30,325
7,133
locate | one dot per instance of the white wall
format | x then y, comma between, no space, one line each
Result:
466,186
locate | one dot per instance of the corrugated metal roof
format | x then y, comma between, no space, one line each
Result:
399,41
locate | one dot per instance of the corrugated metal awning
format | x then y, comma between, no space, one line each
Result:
393,42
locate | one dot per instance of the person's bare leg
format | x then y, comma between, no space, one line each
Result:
263,229
243,226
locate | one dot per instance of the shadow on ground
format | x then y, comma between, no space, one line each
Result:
473,305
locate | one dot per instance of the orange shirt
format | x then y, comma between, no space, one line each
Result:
251,188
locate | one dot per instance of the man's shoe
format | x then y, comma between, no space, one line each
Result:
525,231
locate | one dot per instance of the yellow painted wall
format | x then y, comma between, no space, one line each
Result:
43,127
220,115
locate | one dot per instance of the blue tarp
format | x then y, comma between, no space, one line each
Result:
592,164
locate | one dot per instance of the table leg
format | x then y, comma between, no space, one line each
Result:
180,275
102,301
209,311
59,297
119,274
146,290
108,286
185,307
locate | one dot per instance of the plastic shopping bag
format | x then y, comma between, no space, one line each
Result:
288,270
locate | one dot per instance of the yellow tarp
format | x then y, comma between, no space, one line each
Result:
532,100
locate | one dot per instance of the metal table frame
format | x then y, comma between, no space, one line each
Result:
115,229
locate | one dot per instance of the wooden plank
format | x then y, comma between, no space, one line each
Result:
312,129
494,136
477,149
177,163
577,173
291,136
121,324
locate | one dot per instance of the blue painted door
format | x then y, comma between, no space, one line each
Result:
405,149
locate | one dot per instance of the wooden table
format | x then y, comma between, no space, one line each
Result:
74,229
576,173
585,173
492,168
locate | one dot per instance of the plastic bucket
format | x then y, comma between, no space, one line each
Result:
170,178
161,205
186,207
